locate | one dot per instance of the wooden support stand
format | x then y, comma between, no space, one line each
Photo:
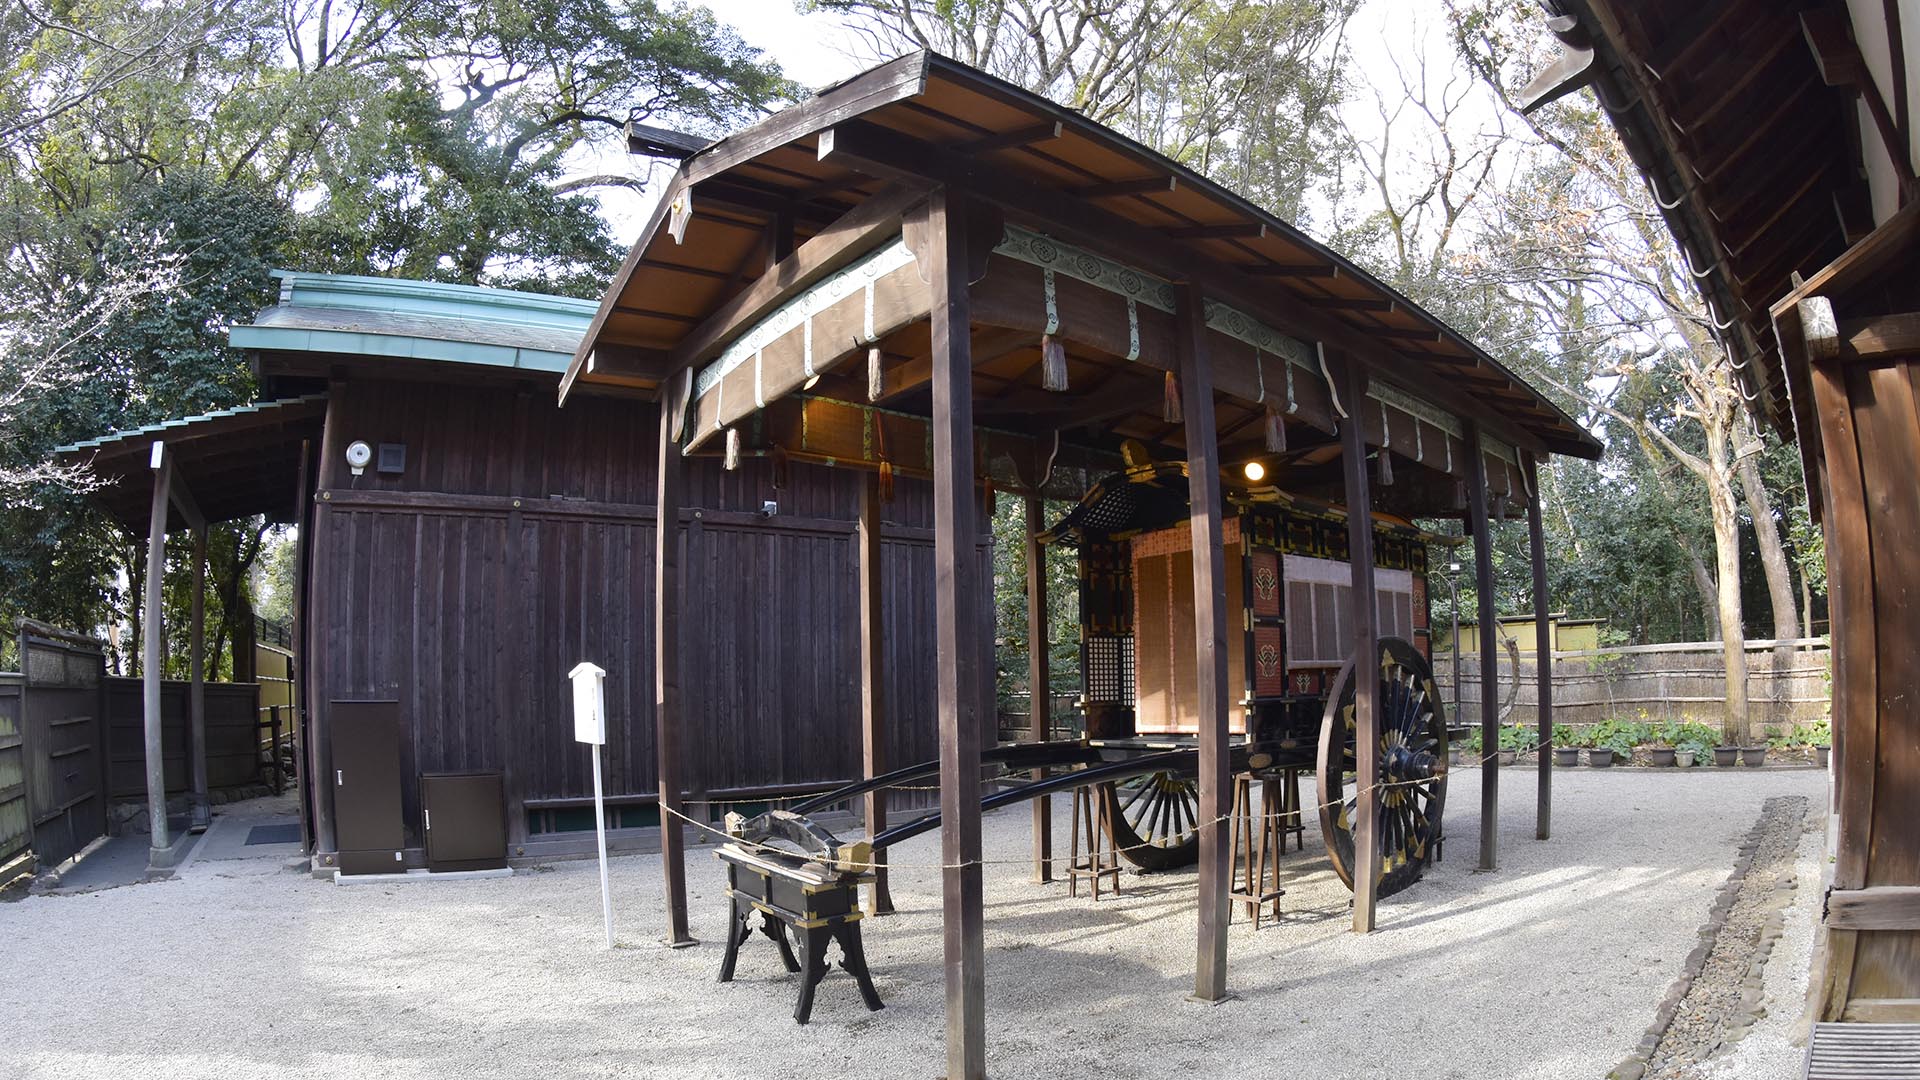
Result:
1257,878
820,908
1091,818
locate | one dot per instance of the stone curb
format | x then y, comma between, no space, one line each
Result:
1751,1007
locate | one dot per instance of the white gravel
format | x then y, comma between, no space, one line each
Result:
1550,967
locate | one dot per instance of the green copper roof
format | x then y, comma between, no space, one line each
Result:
350,315
165,426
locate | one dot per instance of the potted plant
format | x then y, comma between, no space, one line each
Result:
1694,743
1820,736
1660,745
1610,739
1515,740
1754,756
1566,748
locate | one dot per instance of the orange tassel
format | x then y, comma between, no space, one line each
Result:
886,481
1172,411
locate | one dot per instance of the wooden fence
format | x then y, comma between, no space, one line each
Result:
1787,683
233,753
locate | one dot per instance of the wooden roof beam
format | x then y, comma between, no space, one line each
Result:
1344,303
1237,230
1146,185
1291,270
1008,140
888,155
857,232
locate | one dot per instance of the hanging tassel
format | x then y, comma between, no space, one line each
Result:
1171,414
733,449
876,385
1276,432
1386,468
779,457
1053,364
886,466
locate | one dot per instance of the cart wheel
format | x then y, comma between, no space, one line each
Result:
1412,762
1154,819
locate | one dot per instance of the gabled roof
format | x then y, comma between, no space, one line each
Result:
925,115
344,315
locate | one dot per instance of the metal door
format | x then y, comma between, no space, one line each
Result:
366,785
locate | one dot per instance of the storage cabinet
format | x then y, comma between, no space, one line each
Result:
465,820
366,786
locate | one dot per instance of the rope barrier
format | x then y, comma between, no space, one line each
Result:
726,837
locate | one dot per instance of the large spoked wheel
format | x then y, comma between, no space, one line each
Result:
1154,820
1411,759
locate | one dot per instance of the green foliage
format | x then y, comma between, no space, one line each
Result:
1519,737
1010,607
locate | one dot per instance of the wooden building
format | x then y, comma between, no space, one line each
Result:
492,541
1780,140
924,271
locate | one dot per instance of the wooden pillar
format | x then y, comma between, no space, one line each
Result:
1364,618
197,682
957,623
667,600
1210,638
1482,532
153,659
1039,678
297,673
1542,648
873,733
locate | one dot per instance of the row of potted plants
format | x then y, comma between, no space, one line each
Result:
1681,743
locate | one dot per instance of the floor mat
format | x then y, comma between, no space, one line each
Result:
274,834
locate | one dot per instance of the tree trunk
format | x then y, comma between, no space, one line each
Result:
1773,560
1709,590
1773,554
1737,727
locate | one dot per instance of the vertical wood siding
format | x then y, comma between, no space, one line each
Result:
469,610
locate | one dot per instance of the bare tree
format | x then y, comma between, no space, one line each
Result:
40,340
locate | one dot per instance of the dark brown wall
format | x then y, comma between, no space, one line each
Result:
435,588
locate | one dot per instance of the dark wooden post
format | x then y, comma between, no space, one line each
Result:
1542,647
297,672
956,600
153,659
1210,638
873,708
1364,617
197,682
1482,532
321,562
667,598
1039,678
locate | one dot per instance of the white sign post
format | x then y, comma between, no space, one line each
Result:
590,726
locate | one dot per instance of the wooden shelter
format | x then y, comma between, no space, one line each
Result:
924,271
1781,143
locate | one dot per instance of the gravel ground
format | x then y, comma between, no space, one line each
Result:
1550,967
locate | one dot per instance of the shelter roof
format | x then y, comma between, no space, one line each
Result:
235,462
1748,150
925,118
394,320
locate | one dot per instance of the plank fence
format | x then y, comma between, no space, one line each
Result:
1787,683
